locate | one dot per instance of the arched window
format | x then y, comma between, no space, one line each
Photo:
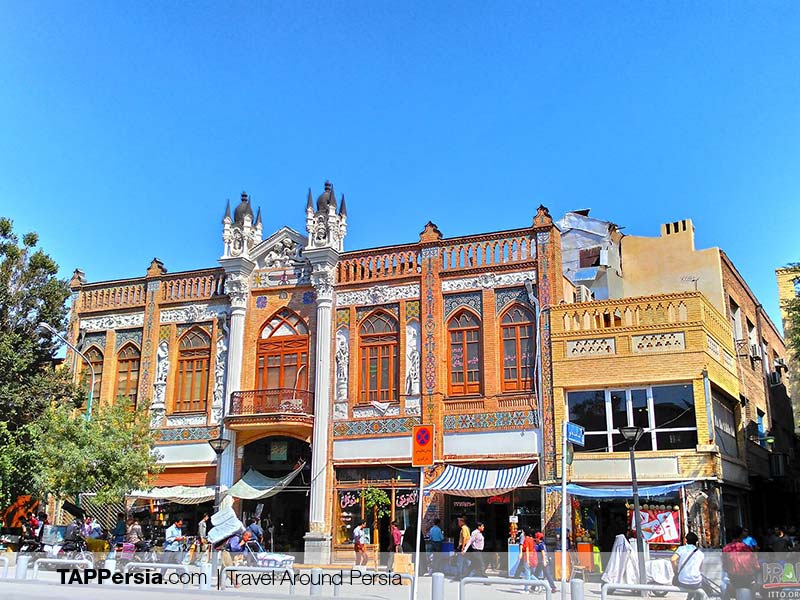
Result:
519,349
194,362
465,354
380,361
96,359
127,372
282,359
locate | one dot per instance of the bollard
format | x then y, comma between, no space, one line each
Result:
744,594
316,582
437,586
22,566
205,580
576,589
110,564
337,587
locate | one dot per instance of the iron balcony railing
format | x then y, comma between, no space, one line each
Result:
273,401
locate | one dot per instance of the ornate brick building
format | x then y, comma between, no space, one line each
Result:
301,352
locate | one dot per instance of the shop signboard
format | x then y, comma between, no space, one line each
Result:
658,526
348,499
406,498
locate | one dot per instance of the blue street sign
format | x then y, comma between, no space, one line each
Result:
575,433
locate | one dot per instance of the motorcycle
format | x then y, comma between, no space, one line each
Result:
142,551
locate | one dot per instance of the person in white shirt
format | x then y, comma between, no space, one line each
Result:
475,545
358,544
687,563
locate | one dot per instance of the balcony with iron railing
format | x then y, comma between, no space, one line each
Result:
270,407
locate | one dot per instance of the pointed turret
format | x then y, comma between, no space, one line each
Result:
310,204
227,216
326,225
258,218
343,208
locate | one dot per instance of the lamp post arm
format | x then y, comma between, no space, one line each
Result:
88,362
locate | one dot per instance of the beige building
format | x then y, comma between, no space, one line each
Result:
789,288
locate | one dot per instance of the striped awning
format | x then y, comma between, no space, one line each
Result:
479,483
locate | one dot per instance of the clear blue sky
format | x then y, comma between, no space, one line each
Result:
124,126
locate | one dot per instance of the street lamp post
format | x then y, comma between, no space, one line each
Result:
218,445
45,327
632,435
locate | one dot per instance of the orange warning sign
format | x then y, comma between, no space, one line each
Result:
422,446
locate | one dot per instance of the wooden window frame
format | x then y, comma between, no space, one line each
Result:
278,345
467,387
378,347
131,395
193,362
519,384
97,365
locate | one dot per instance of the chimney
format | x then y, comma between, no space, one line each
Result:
683,228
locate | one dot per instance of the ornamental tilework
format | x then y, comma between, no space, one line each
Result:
145,385
509,295
473,300
374,427
163,333
94,339
498,420
412,309
186,434
184,327
128,335
430,321
342,317
363,311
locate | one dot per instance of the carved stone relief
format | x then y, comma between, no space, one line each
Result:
193,313
118,321
220,369
342,363
162,370
378,294
413,348
487,281
658,342
340,410
185,420
590,347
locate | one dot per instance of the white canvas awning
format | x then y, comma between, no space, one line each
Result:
480,483
255,486
181,494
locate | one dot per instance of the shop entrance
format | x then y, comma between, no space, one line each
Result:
284,516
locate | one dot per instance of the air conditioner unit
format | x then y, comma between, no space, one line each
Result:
583,294
755,352
780,363
774,378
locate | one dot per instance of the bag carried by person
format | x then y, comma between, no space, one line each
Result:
675,581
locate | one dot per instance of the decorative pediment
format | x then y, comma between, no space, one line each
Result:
282,249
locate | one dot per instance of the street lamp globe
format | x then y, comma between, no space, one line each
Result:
631,433
218,444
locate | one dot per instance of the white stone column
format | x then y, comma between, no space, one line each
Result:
236,286
318,539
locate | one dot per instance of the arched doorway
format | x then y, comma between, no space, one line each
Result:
287,511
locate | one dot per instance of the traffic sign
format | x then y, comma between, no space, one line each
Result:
575,433
422,446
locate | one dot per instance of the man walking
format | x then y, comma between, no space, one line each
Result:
436,537
358,544
463,539
173,541
687,563
543,561
202,532
475,546
255,529
395,544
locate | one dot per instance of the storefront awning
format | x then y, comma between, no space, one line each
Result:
480,483
624,491
255,486
180,494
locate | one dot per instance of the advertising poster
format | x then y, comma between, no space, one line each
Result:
659,526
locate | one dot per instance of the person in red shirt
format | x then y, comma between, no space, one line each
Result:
529,559
395,544
740,563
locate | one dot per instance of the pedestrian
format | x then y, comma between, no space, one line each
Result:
359,545
134,534
687,563
173,541
255,530
475,547
528,558
780,544
395,544
202,532
740,563
542,569
436,536
119,531
463,539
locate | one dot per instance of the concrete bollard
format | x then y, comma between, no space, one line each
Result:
437,586
22,566
205,580
316,585
576,589
110,564
337,587
744,594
